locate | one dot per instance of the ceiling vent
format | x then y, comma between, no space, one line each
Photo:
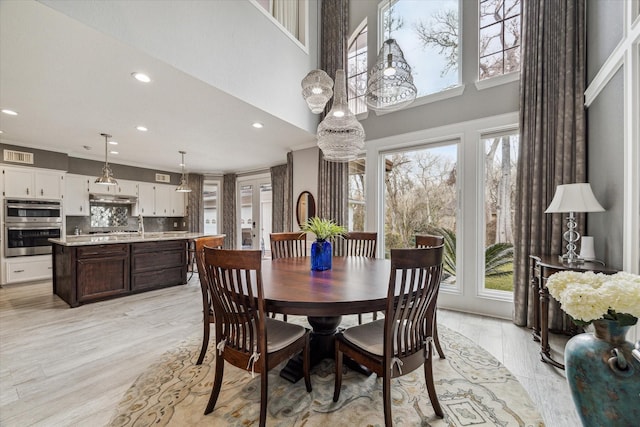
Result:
18,157
160,177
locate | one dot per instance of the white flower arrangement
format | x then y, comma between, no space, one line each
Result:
592,296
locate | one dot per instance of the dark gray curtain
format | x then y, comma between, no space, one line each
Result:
281,199
229,210
288,195
333,177
552,136
195,215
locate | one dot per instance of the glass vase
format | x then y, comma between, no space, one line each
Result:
321,255
603,376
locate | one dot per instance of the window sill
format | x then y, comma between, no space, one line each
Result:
497,80
428,99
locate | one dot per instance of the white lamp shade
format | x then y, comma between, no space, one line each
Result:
574,198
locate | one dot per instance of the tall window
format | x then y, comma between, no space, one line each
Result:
499,40
357,208
210,194
291,14
500,160
357,72
428,33
421,196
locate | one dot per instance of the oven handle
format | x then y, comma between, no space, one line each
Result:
32,227
28,206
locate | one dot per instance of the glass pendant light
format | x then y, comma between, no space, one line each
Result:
340,135
184,186
107,175
390,86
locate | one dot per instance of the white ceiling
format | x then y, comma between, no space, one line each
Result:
69,83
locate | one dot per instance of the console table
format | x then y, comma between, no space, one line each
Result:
543,266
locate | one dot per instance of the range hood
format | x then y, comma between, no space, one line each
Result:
112,199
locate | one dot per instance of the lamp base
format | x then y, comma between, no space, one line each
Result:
566,259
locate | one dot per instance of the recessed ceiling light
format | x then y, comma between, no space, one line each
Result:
142,128
113,142
10,112
1,131
257,125
114,152
141,77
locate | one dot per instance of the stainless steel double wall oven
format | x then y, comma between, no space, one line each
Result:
29,224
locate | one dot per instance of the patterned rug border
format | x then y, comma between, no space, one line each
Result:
473,387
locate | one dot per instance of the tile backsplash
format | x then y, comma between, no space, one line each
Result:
152,224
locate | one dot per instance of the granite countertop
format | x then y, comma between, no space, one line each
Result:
100,239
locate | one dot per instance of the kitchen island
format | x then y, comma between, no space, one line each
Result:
89,268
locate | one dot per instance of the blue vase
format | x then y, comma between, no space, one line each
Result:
603,376
321,255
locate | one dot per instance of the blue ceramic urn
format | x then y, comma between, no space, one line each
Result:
603,376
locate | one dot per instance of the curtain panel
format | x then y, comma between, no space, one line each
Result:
333,177
278,179
552,137
195,203
229,210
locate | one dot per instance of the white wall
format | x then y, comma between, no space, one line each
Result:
305,176
230,44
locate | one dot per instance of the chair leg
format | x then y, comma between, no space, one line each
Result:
359,319
386,398
205,341
306,365
217,384
431,387
436,340
375,315
264,375
338,378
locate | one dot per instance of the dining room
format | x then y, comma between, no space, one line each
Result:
475,159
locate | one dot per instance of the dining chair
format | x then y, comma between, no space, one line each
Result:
245,337
358,243
428,241
401,342
207,302
288,245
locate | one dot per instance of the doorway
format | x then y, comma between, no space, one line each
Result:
255,212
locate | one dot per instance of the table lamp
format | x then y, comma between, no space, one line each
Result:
572,198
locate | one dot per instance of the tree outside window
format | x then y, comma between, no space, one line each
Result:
357,72
357,207
499,48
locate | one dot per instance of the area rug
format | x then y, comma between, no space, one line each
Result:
474,390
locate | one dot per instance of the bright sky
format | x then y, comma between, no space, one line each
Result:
426,63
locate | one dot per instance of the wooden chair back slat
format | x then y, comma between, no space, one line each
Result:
235,282
415,276
357,243
288,245
428,240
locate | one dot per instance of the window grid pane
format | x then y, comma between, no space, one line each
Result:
357,72
499,41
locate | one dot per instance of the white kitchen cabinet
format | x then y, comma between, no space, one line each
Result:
24,269
146,199
163,199
126,188
76,195
32,183
178,203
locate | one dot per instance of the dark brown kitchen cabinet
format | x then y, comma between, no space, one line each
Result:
158,264
88,273
102,271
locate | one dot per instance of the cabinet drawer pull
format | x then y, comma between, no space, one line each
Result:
18,271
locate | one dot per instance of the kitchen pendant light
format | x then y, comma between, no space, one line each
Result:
340,135
107,175
390,85
184,186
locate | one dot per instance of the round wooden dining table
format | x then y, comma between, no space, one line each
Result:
353,285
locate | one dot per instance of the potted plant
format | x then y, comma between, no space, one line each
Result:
325,231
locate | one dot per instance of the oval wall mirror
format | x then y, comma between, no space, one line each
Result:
305,207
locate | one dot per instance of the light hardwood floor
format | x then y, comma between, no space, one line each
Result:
70,367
